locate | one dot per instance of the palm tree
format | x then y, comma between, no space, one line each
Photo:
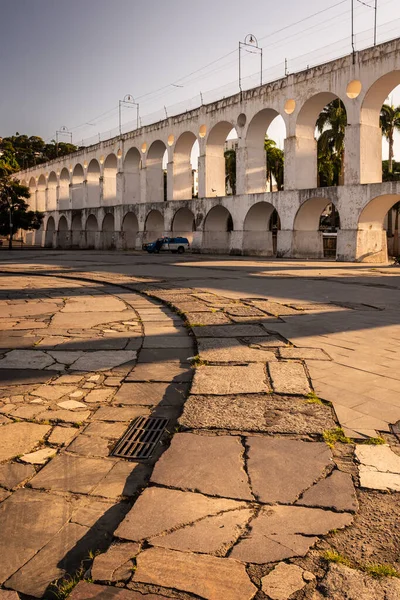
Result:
331,125
390,122
230,171
275,163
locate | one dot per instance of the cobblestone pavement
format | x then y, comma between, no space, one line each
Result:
254,490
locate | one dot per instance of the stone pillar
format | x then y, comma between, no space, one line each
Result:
143,184
120,188
170,181
241,166
300,163
197,241
284,243
369,245
202,175
182,182
236,243
363,154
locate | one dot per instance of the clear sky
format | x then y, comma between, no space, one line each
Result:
66,62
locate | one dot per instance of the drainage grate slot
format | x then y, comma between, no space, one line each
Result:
141,438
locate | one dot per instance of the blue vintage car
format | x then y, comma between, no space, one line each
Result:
167,244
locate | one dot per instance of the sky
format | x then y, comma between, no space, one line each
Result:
68,63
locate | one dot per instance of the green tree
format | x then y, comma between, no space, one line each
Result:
390,122
22,152
230,170
14,209
275,158
331,126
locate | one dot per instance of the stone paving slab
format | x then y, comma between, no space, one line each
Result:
115,564
13,474
86,591
206,576
379,467
211,465
250,379
304,353
229,331
119,413
150,394
289,378
231,350
162,372
285,580
19,438
337,492
124,479
157,355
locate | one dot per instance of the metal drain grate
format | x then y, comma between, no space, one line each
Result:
141,438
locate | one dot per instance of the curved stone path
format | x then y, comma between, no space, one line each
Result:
247,487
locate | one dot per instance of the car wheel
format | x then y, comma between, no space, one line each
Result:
181,250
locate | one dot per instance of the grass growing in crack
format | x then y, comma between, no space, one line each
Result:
197,361
62,588
377,570
312,398
334,557
331,436
375,441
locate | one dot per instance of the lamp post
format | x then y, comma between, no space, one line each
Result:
10,224
128,99
63,131
250,41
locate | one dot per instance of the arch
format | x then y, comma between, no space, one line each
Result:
62,224
63,191
154,225
305,173
258,237
77,188
63,233
130,227
93,183
183,177
50,231
110,180
76,228
32,190
376,96
41,194
218,225
215,159
155,173
256,165
91,229
132,164
108,231
372,242
373,214
184,223
52,184
308,237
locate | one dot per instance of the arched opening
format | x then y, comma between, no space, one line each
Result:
32,191
93,183
132,176
220,164
130,227
52,191
110,180
77,187
91,231
76,228
320,142
260,230
372,243
41,194
185,167
154,226
184,223
217,230
265,160
63,233
108,230
63,190
50,230
315,229
156,174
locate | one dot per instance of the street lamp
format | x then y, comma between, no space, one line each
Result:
63,131
250,41
128,99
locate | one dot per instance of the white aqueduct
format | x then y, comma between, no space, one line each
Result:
111,195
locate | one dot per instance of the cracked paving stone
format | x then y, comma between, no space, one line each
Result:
251,412
274,308
212,535
206,576
104,514
66,416
90,446
65,379
19,359
336,491
40,457
124,413
19,438
266,341
98,396
210,465
158,510
168,341
379,467
150,394
24,532
285,580
4,494
289,378
281,469
62,435
207,318
102,360
223,380
115,564
124,479
281,532
26,412
13,474
231,350
343,583
71,405
8,595
155,355
232,330
53,392
108,430
86,591
304,353
162,372
243,311
67,473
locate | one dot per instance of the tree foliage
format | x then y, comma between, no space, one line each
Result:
14,208
22,152
390,122
274,163
331,126
230,170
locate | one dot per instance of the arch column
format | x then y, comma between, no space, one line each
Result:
363,154
300,163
